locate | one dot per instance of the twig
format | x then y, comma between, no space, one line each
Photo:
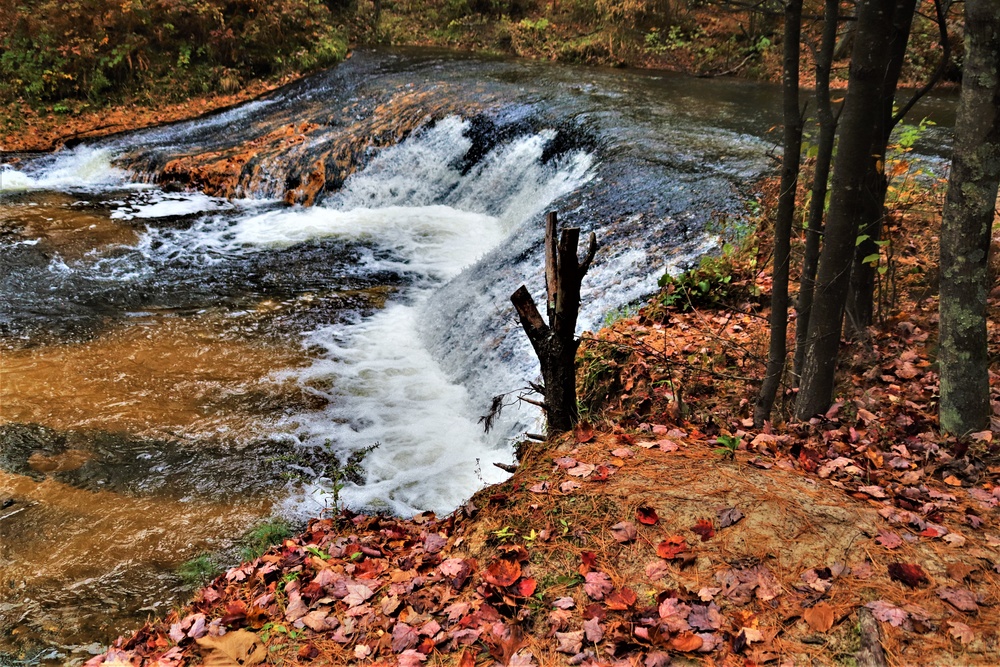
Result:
7,516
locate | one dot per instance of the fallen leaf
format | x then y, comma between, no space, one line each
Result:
671,547
704,617
584,432
819,617
959,571
526,587
564,603
954,539
889,539
887,613
704,528
656,569
569,642
434,543
621,600
569,485
502,572
593,630
239,648
728,516
624,531
357,594
951,480
960,598
581,470
523,658
910,574
598,584
646,516
962,632
873,491
404,636
411,658
686,642
588,561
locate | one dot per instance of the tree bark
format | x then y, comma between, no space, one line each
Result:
966,227
821,175
786,213
555,343
851,177
861,302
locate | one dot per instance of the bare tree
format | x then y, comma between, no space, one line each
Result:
555,343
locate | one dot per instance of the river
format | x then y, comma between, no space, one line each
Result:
184,354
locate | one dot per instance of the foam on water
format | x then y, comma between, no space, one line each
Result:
159,204
82,168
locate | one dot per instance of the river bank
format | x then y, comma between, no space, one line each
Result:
697,40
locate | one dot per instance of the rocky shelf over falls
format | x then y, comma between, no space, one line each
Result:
300,160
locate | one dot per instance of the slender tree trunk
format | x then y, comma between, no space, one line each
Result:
966,227
821,175
786,212
861,302
851,174
555,343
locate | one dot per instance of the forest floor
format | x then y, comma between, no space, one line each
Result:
666,530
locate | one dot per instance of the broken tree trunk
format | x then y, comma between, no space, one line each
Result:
555,343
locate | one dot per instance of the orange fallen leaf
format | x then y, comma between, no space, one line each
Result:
819,617
502,572
686,642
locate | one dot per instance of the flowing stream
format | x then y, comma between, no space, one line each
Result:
185,355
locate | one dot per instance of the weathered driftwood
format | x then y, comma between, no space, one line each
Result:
555,343
871,653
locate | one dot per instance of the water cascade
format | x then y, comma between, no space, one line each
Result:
179,340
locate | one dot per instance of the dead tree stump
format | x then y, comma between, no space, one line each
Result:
555,343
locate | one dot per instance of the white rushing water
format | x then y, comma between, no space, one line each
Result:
413,212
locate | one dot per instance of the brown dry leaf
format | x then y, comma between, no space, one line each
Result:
686,642
819,617
889,539
624,531
584,432
960,598
961,632
502,572
959,571
239,648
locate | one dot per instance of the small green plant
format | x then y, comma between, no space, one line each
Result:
504,534
349,472
730,443
319,553
703,286
198,570
271,628
258,540
538,26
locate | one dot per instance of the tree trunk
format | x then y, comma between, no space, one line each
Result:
821,175
851,176
871,653
555,343
966,227
861,302
786,213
